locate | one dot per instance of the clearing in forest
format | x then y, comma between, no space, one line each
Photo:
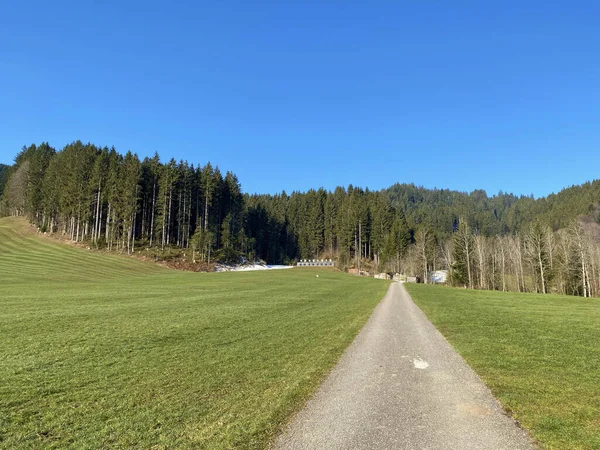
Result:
101,350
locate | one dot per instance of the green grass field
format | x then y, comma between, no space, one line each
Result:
106,351
539,354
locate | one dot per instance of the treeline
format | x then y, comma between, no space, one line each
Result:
349,225
98,195
439,210
4,173
120,202
536,259
113,201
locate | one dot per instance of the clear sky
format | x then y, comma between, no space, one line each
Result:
497,95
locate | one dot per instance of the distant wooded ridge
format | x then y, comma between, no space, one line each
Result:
118,202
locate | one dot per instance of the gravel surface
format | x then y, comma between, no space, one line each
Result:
400,385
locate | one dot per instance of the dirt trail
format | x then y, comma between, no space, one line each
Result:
400,385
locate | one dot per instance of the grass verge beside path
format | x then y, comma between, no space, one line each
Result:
539,354
102,351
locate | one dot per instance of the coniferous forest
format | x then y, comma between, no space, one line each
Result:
121,203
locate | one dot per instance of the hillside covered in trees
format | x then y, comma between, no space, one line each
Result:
4,173
122,203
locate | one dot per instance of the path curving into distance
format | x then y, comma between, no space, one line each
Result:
400,385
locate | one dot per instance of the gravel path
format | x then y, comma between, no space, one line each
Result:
400,385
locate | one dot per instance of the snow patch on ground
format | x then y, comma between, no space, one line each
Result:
249,267
420,363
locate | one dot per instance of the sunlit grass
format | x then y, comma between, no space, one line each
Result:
539,354
100,351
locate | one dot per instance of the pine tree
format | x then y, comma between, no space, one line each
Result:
130,174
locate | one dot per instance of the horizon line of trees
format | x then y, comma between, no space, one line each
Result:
95,194
122,203
538,259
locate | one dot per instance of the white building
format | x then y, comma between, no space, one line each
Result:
438,277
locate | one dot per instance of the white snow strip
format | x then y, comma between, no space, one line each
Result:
249,267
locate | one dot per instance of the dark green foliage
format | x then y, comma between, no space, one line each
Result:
440,209
4,173
96,194
350,224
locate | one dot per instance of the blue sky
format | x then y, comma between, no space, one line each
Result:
497,95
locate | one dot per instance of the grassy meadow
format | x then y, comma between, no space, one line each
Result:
106,351
539,354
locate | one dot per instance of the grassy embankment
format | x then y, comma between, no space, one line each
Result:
539,354
100,350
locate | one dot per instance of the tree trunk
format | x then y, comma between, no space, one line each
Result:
152,212
359,245
169,219
187,234
133,233
108,225
521,281
206,211
503,266
356,250
164,222
469,276
542,271
98,232
95,234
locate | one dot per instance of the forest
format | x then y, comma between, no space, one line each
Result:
173,208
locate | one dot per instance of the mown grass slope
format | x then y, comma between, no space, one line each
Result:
539,354
101,351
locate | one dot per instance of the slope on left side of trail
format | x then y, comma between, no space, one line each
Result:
102,350
29,257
